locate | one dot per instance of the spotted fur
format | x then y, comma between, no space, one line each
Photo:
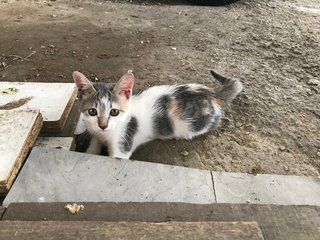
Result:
122,121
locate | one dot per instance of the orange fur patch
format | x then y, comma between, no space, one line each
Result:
216,103
174,111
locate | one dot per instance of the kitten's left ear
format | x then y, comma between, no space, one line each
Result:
125,85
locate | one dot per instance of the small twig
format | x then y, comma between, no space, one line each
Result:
24,58
16,56
33,52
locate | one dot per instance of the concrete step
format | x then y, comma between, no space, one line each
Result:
266,189
65,143
55,175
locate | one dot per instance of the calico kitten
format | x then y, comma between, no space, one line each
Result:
122,121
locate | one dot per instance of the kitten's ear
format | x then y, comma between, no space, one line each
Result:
84,86
124,86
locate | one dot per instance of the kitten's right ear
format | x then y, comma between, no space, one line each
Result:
84,86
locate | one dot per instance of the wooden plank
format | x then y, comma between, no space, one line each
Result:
54,100
129,230
19,130
70,125
65,143
276,222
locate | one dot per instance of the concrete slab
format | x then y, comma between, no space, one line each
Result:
55,175
54,100
55,142
19,130
266,189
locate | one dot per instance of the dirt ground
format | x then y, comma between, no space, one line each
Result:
272,46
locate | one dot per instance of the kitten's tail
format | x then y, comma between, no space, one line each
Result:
230,87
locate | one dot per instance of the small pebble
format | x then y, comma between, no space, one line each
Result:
313,82
250,127
184,153
286,168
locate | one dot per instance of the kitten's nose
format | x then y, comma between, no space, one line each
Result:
103,127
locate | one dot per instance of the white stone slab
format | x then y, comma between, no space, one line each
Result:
55,175
53,99
266,189
19,129
55,142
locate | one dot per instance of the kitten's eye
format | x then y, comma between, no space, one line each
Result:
92,111
114,112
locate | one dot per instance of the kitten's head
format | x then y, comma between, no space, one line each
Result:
101,106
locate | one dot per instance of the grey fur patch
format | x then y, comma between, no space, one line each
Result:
192,104
162,124
102,91
131,130
215,123
82,141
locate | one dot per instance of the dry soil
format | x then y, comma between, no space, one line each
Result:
272,46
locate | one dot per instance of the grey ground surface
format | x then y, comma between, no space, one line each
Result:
272,46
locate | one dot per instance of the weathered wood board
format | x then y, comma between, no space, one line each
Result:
54,100
130,230
65,143
276,222
19,130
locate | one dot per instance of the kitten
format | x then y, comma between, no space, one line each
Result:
122,121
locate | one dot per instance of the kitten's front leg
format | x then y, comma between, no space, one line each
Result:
95,146
117,153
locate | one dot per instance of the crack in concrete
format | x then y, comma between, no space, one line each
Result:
214,190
